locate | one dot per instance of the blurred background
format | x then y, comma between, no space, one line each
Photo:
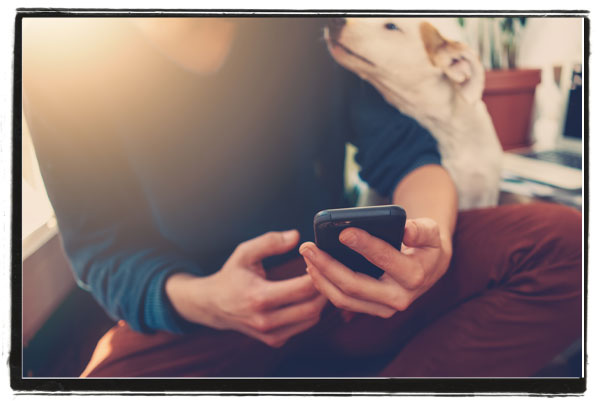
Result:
62,323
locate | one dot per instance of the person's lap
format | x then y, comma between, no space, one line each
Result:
509,302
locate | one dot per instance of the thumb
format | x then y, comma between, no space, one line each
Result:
268,244
421,233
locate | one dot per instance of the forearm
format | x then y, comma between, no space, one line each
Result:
429,192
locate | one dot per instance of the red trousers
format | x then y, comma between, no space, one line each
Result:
510,301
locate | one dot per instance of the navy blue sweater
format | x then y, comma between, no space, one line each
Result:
153,169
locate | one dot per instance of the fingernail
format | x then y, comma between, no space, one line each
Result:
348,238
307,253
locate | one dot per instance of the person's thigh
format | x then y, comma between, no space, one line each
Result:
512,291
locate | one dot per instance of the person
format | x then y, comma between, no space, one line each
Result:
185,159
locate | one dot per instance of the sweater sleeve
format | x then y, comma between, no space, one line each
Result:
390,144
115,250
70,100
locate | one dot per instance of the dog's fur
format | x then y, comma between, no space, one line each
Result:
436,81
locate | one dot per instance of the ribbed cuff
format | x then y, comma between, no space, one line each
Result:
159,313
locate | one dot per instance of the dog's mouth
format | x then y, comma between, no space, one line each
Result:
335,43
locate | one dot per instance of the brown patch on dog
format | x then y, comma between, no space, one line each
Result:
435,43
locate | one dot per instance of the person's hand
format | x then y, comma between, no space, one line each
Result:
238,297
408,273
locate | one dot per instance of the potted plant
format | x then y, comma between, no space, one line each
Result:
509,91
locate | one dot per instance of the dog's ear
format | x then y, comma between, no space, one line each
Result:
458,62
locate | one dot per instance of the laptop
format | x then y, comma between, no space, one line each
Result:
562,166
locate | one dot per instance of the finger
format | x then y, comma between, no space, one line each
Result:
274,294
353,284
279,337
289,315
420,233
343,301
347,316
268,244
403,268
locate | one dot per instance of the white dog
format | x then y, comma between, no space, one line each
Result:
437,82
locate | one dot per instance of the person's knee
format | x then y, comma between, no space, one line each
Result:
558,226
557,251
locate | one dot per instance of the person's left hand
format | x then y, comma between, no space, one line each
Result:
408,273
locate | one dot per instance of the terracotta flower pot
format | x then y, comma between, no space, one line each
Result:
509,96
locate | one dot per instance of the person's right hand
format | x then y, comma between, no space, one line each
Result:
238,297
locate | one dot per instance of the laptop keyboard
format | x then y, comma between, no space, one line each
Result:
560,157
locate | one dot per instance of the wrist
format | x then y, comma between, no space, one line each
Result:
176,284
158,312
185,292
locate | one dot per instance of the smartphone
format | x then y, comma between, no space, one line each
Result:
384,222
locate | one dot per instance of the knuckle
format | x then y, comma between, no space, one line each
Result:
431,226
349,289
258,300
315,320
242,248
310,310
309,289
343,284
269,340
400,303
435,228
315,309
339,301
383,258
359,238
311,323
417,279
386,314
274,341
274,238
260,323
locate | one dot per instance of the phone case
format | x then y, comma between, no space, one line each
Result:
384,222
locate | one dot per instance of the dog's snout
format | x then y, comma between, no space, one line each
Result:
335,26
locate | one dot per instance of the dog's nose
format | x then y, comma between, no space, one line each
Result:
335,26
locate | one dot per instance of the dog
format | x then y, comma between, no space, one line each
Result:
436,81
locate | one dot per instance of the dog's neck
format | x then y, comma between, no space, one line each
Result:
447,105
447,115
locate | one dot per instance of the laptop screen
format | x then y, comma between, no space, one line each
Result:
573,128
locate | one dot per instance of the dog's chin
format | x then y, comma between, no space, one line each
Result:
346,56
338,53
